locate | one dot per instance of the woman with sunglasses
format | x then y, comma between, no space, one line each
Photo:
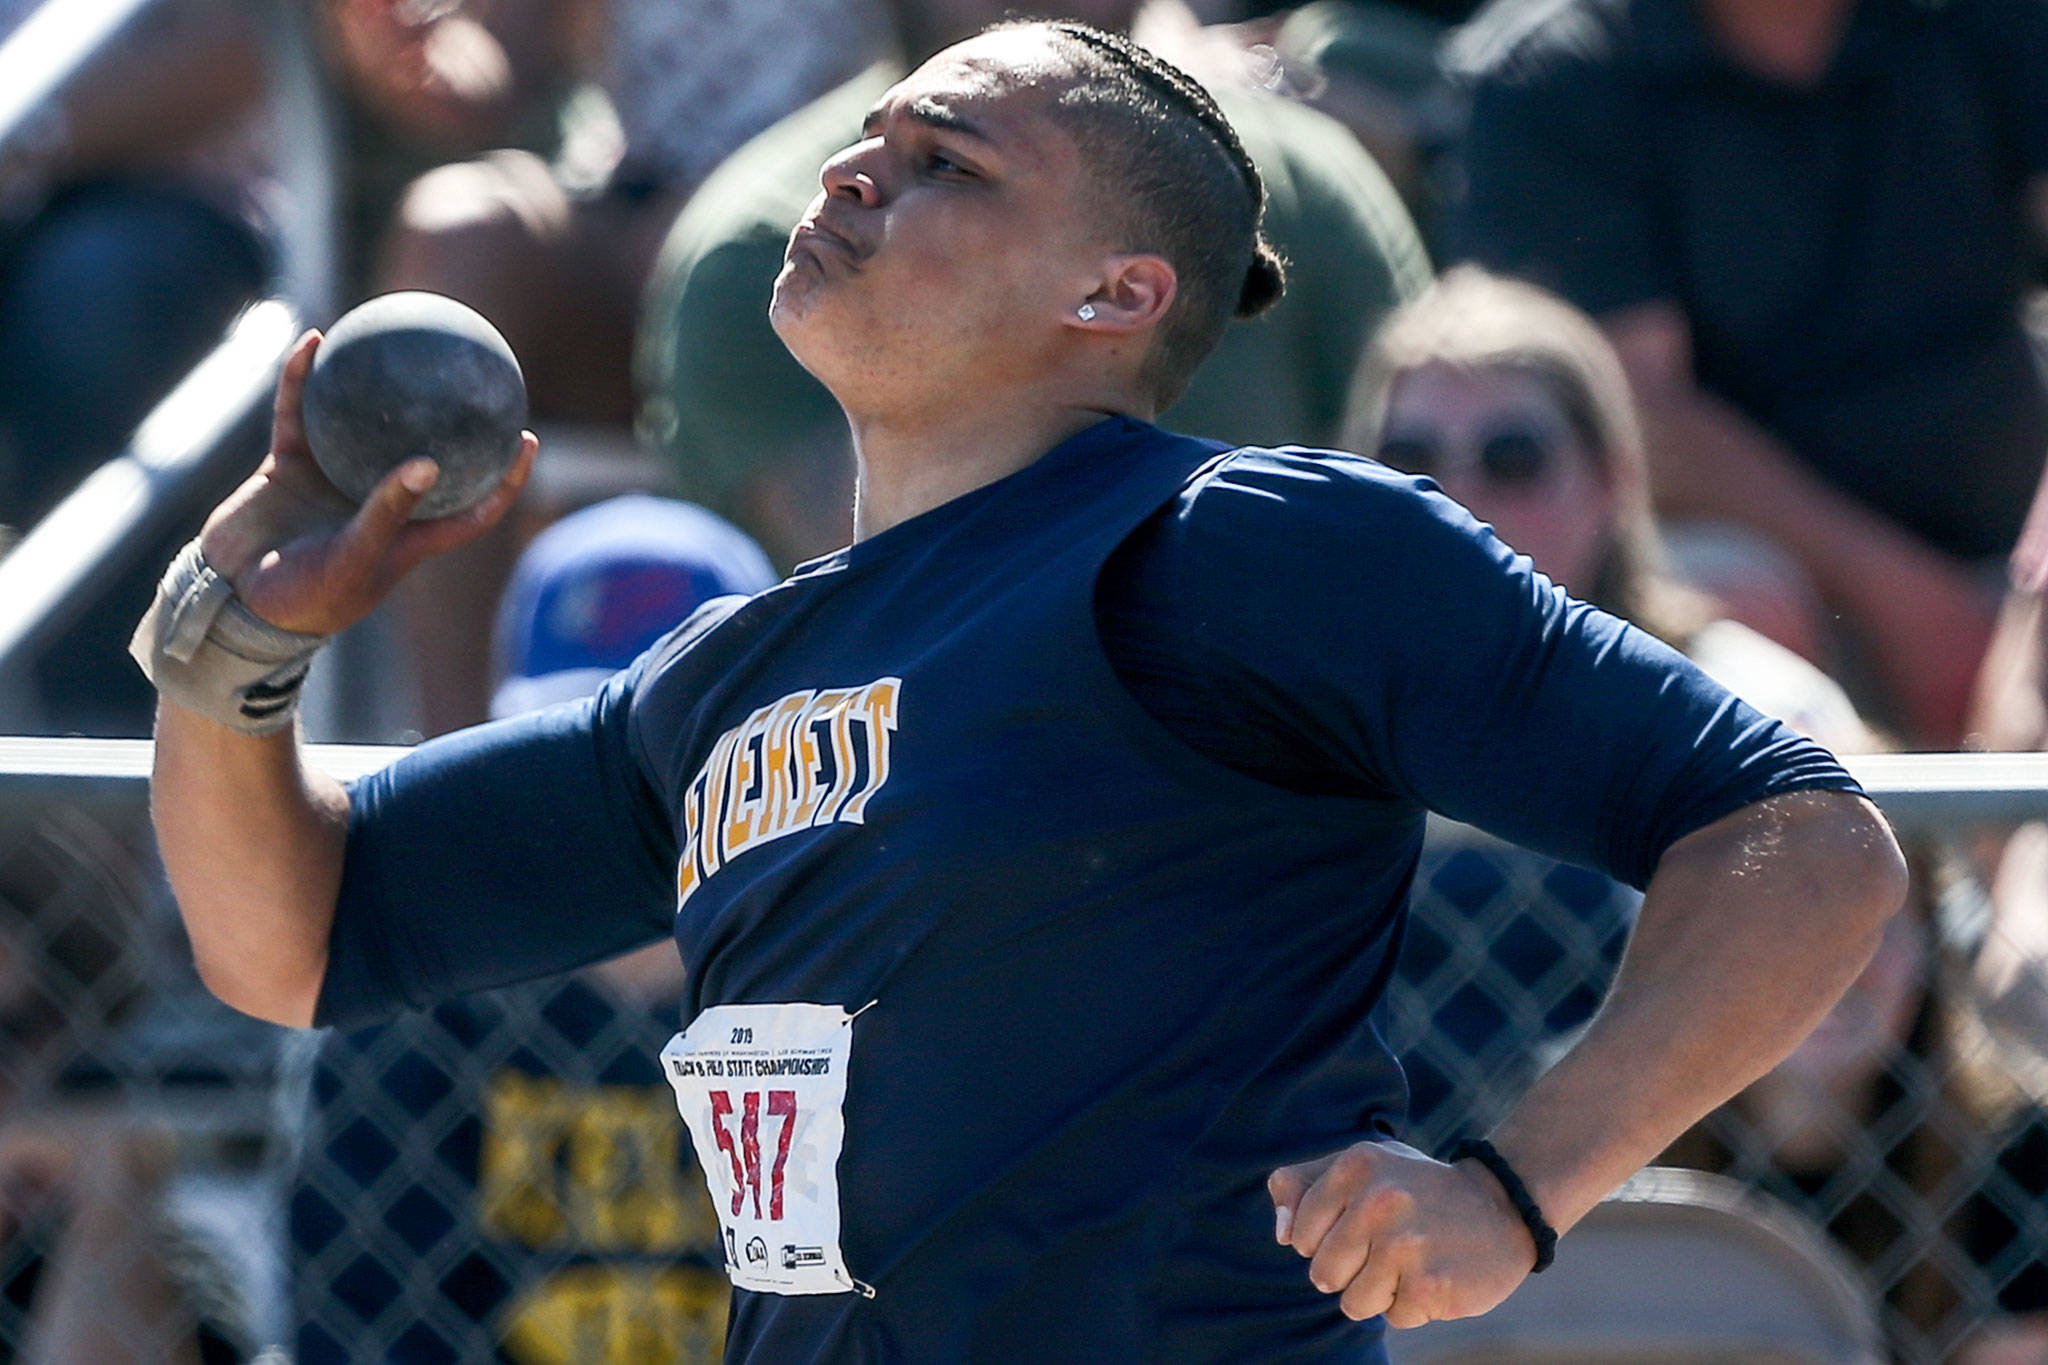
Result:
1515,404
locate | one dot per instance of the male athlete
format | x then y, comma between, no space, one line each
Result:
1038,859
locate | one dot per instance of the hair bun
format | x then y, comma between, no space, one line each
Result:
1264,282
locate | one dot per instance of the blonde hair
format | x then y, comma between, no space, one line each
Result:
1472,320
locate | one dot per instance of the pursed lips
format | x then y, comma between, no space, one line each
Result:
812,231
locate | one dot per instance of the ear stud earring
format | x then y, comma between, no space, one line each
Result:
1086,312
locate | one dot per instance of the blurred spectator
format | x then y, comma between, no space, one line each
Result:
596,588
2010,712
1517,406
1372,66
130,235
417,84
92,1268
482,94
1804,226
557,255
754,436
505,1178
127,241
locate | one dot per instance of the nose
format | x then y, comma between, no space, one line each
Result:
850,174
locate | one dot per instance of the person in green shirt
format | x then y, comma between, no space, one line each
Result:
760,441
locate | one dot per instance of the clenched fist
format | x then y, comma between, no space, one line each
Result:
1392,1232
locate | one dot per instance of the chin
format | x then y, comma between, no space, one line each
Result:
798,320
795,299
793,284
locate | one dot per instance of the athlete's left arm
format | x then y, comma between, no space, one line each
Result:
1751,928
1444,670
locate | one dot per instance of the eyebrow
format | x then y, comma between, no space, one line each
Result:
928,111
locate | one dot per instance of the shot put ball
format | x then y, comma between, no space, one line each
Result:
412,374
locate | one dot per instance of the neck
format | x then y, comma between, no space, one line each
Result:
906,466
1792,42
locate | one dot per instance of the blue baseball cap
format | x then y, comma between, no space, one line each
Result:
595,589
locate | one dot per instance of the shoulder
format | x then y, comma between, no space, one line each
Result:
1544,44
1299,483
651,701
1275,512
671,649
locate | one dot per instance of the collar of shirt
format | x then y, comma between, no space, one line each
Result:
1051,470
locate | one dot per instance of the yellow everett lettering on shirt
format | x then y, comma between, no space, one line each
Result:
800,762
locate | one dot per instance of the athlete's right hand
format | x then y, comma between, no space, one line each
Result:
301,555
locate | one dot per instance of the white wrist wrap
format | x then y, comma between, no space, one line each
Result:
209,653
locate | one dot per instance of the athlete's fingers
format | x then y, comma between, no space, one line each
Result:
1415,1300
1343,1253
287,422
365,544
492,509
1286,1186
1377,1223
1350,1171
1371,1291
424,539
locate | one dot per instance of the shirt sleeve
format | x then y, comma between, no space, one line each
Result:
1555,188
1375,621
495,855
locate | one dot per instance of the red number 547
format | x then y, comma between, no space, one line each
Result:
745,1154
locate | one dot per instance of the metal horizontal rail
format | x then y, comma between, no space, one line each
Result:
128,760
47,52
176,451
1917,790
1930,791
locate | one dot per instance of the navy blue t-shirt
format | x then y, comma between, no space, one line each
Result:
1116,969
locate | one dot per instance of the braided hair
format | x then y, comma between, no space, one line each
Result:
1173,178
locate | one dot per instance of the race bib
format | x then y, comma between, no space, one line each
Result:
762,1088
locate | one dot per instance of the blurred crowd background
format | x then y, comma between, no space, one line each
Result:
1731,314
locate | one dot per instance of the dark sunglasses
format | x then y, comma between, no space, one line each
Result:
1504,457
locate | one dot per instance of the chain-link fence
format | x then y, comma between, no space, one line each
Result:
505,1178
1909,1128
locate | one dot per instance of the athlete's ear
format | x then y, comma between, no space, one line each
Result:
1132,294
